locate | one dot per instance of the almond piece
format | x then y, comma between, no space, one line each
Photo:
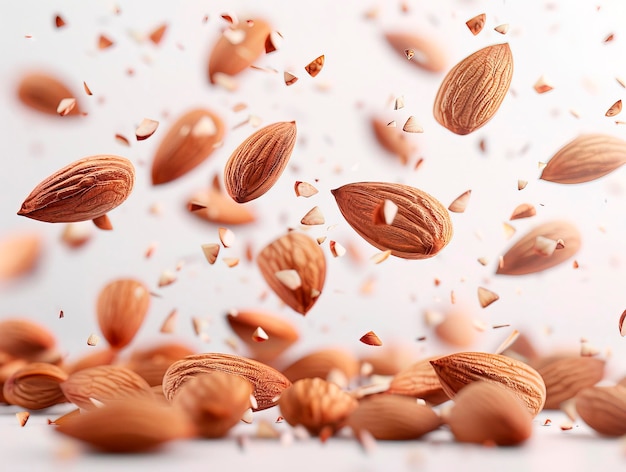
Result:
294,252
487,413
268,382
257,163
427,54
523,210
44,92
315,66
122,306
422,225
187,144
20,252
458,370
371,339
586,158
393,140
83,190
215,206
35,386
564,378
419,380
604,409
522,258
474,89
476,23
25,339
322,363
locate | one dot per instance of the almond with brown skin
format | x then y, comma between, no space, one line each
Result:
564,378
93,359
25,339
257,163
420,229
523,258
456,371
122,306
84,190
268,382
152,363
427,54
586,158
43,92
474,89
488,413
393,140
187,144
419,380
322,363
393,418
35,386
604,409
20,253
215,206
304,259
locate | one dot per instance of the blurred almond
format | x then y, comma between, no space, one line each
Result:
604,409
457,329
419,380
152,363
25,339
427,54
43,92
393,140
215,206
35,386
93,359
564,378
322,363
20,253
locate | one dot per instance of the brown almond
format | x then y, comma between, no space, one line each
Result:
393,140
457,329
604,409
35,386
83,190
422,225
43,92
89,388
419,380
187,144
456,371
522,258
393,418
564,378
25,339
474,89
122,306
390,359
215,206
7,369
322,363
238,48
257,163
586,158
488,413
299,253
20,253
152,363
427,54
93,359
321,407
268,382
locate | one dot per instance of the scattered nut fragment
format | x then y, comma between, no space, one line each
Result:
615,109
315,66
313,217
460,203
93,339
542,85
412,126
22,417
502,29
146,128
476,23
104,42
523,210
371,339
304,189
211,251
423,51
486,297
66,105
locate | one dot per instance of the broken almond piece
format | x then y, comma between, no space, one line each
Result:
336,249
289,278
104,42
486,297
22,417
146,128
66,105
502,29
314,67
259,335
385,213
460,203
227,237
524,210
615,109
211,251
542,85
289,78
412,126
313,217
544,246
157,34
476,23
371,339
304,189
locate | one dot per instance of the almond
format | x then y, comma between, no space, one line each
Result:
393,140
43,92
604,409
121,308
25,339
422,225
322,363
488,413
457,329
268,382
427,54
152,363
93,359
187,144
419,380
522,258
298,253
474,89
456,371
20,253
586,158
84,190
393,417
215,206
564,378
35,386
257,163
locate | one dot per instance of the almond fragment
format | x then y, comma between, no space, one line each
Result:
615,109
22,417
104,42
371,339
523,210
59,22
460,203
227,237
169,324
412,126
604,409
289,78
313,217
156,35
621,324
386,213
76,235
43,92
304,189
93,340
544,246
35,386
65,106
502,29
315,66
422,51
146,128
476,24
259,335
211,252
565,377
542,85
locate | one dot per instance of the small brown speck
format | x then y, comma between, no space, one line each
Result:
59,22
104,42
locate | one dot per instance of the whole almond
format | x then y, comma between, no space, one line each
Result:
586,158
25,339
35,386
215,206
152,363
393,140
93,359
419,380
122,306
84,190
257,163
43,92
488,413
457,329
89,388
393,417
456,371
564,378
474,89
300,253
268,382
522,258
323,363
420,229
604,409
187,144
130,426
20,253
238,47
427,54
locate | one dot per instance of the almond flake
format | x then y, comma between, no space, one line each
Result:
66,105
169,325
509,230
521,184
336,249
259,335
502,29
460,202
615,109
508,342
371,339
273,42
230,18
524,210
226,81
93,340
544,246
313,217
385,213
542,85
199,325
412,126
122,140
247,417
87,89
146,128
231,261
399,103
211,251
157,34
320,239
566,426
588,350
22,417
621,81
433,318
304,189
289,278
575,264
483,261
289,78
59,23
104,42
380,257
480,325
622,324
486,297
409,53
547,422
314,67
476,24
227,237
167,278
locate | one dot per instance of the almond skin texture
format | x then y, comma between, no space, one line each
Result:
268,382
604,409
487,413
298,252
474,89
321,363
428,54
35,386
419,380
122,306
187,144
393,418
586,158
564,378
257,163
420,229
522,259
83,190
43,92
456,371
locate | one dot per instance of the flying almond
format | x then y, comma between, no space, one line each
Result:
586,158
427,54
419,380
420,229
565,377
323,363
43,92
188,143
257,163
393,140
20,253
474,89
215,206
604,409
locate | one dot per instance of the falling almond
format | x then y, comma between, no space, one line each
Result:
43,92
422,51
460,203
393,140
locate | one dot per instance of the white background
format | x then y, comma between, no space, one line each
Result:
562,40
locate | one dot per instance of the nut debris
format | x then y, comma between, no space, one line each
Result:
259,335
315,66
289,78
542,85
146,128
22,417
544,246
521,184
66,105
386,213
615,109
104,42
304,189
59,22
486,297
166,278
476,24
227,237
508,342
169,324
156,35
336,249
412,126
622,324
399,103
523,210
289,278
211,251
313,217
502,29
422,51
371,339
460,203
93,340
